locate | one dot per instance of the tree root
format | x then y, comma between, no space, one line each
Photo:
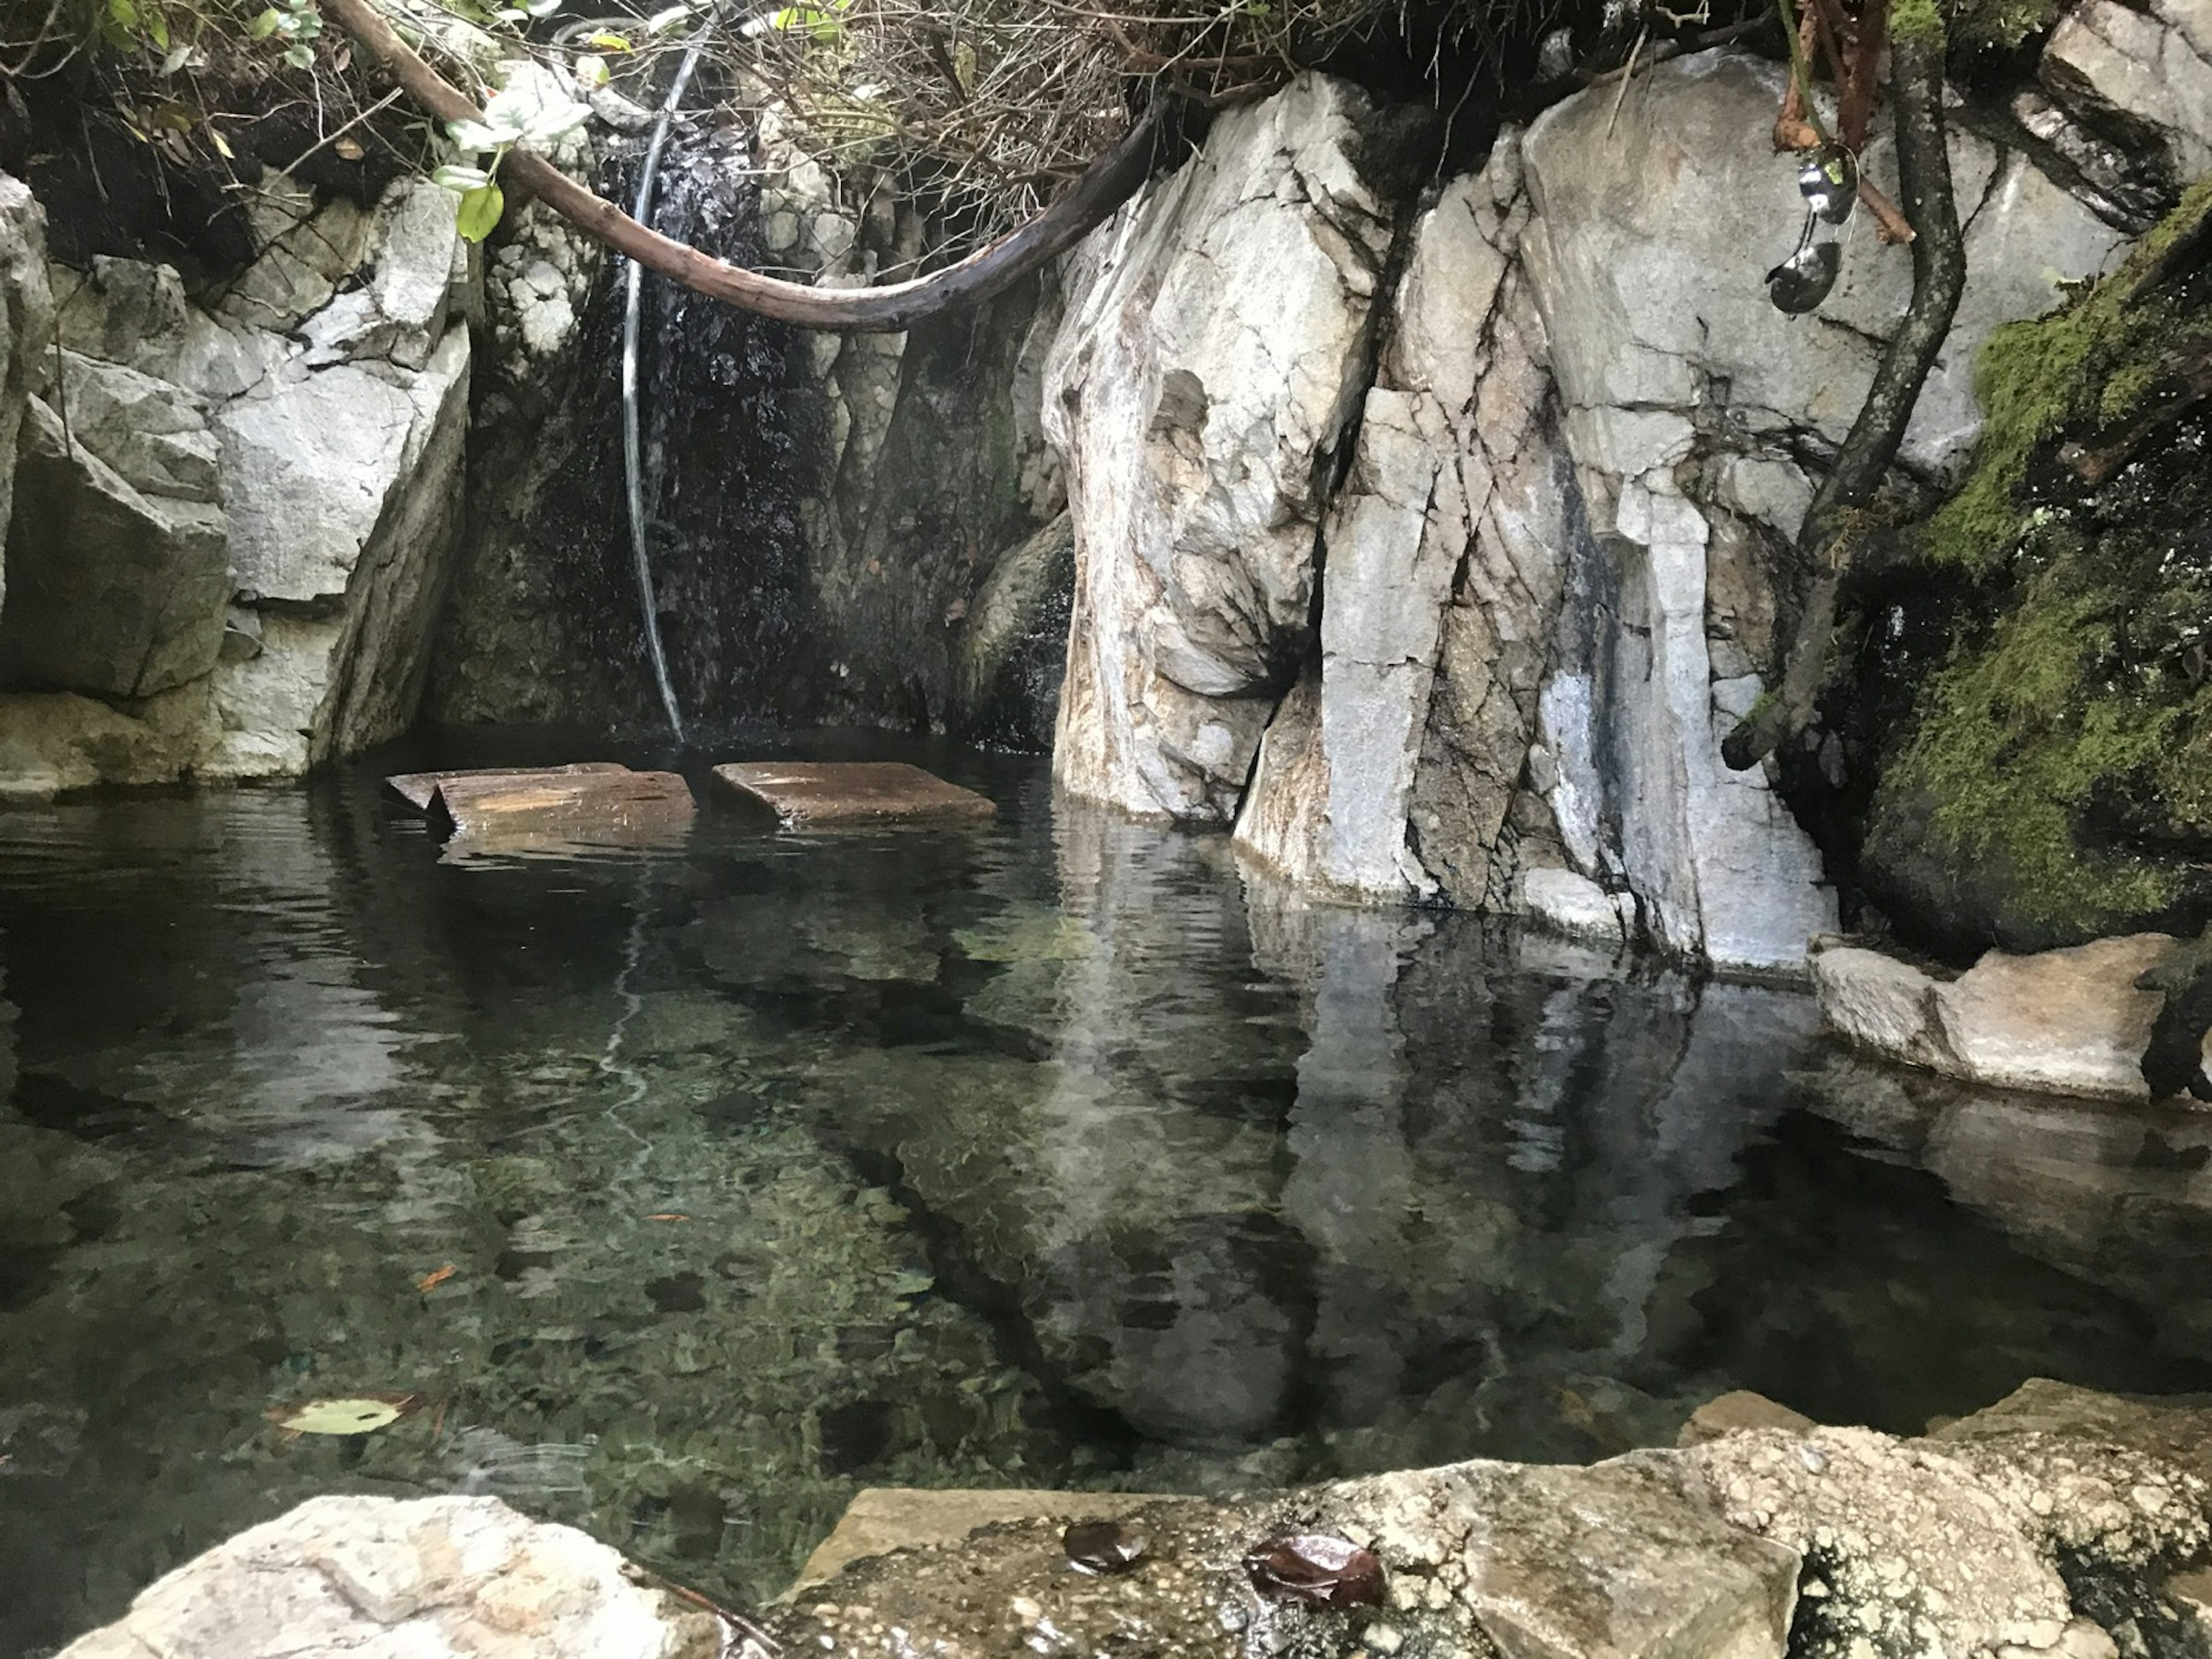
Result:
892,308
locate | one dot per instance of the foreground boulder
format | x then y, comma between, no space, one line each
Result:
1759,1541
2060,1522
429,1578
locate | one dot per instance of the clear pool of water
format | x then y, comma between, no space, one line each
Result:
689,1192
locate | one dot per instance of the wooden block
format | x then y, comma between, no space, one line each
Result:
818,793
417,789
554,811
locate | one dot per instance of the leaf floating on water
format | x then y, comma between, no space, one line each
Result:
435,1276
1316,1568
362,1414
1104,1547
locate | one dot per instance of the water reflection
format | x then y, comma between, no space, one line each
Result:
1062,1151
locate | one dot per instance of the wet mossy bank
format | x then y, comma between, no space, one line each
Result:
2023,698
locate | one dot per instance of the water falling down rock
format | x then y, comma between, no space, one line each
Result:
814,794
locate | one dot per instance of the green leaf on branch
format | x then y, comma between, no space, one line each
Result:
300,56
266,25
480,211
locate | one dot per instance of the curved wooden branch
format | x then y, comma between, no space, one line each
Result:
1110,181
1939,276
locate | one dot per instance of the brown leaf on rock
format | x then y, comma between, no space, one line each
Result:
1316,1568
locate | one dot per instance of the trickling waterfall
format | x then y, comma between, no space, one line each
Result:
720,453
725,454
633,308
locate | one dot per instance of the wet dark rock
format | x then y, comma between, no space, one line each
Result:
856,1435
683,1292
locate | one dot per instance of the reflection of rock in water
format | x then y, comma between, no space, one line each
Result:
2116,1195
1039,1154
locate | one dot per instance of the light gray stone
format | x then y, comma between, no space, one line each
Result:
2069,1022
1880,1003
2153,64
1572,904
346,671
427,1579
1214,352
53,743
305,254
414,242
310,466
153,433
1650,274
129,311
111,590
1452,484
27,325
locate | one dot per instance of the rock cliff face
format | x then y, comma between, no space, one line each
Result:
1440,557
838,522
232,514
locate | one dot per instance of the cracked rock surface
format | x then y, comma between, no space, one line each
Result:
236,516
2060,1523
422,1579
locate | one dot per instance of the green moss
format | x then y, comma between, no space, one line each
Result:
1916,19
2084,364
2001,25
2017,738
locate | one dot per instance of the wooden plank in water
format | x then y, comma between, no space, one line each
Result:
821,793
549,812
417,788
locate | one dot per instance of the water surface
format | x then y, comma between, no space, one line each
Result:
1060,1152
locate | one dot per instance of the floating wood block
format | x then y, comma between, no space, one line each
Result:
417,789
854,792
561,810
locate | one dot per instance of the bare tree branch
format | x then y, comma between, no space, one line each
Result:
1939,276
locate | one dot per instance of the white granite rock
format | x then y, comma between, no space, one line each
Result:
1214,352
112,592
293,495
425,1579
27,325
